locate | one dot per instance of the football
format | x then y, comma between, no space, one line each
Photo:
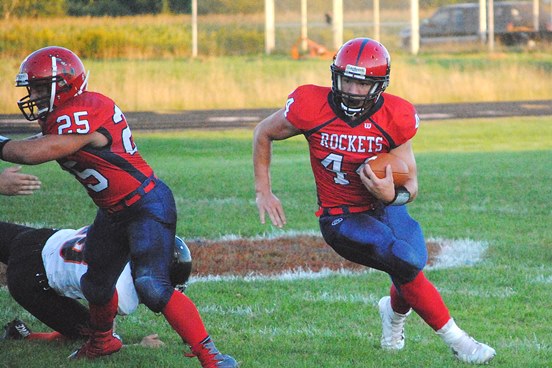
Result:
399,167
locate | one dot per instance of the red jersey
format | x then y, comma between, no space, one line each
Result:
109,173
339,147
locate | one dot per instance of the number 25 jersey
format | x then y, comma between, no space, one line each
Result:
109,173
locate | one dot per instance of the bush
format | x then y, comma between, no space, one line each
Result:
32,8
229,6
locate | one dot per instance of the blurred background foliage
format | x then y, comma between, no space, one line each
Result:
40,8
161,29
128,52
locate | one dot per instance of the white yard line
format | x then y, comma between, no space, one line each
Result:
457,253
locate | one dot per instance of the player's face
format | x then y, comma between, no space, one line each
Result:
41,94
39,91
356,87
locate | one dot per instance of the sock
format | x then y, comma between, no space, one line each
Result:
46,336
398,304
450,332
426,301
184,318
102,316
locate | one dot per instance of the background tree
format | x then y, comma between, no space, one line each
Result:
31,8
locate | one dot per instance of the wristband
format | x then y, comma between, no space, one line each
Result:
402,196
3,141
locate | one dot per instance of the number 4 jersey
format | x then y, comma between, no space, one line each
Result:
108,173
63,261
339,146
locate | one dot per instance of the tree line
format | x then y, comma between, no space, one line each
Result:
52,8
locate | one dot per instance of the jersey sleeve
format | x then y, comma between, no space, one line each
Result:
304,105
404,118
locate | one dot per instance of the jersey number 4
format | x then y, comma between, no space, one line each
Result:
334,163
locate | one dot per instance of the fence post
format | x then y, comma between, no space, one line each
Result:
337,24
270,34
194,28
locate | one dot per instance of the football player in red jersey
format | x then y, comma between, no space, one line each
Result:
88,135
363,218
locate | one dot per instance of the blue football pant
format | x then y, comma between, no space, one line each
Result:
387,239
145,233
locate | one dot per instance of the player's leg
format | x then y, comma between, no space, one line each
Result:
391,241
411,286
424,298
28,285
8,232
403,255
106,254
367,239
421,294
152,249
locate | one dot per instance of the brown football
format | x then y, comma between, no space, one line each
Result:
399,167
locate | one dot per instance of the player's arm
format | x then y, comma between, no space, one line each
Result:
406,153
274,127
384,189
37,150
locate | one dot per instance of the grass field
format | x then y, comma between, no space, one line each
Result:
486,180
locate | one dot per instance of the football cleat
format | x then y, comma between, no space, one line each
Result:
99,344
15,330
210,357
392,337
464,347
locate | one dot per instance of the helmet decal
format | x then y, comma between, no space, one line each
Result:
354,71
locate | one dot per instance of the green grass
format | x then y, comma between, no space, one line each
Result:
486,180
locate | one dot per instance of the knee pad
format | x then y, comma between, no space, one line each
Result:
153,293
409,262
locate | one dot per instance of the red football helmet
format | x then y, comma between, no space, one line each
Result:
55,75
363,59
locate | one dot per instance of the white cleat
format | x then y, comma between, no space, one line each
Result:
464,347
392,337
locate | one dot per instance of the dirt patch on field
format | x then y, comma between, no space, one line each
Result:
265,256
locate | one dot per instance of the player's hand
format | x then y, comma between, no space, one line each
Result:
384,188
151,341
270,204
12,182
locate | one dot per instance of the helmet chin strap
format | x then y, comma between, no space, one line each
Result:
349,111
